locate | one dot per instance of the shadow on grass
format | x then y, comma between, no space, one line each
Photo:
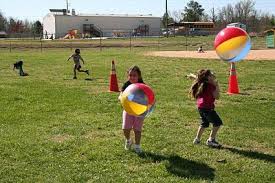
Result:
89,79
244,93
181,167
251,154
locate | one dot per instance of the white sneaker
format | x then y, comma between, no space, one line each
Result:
138,149
213,143
196,141
128,144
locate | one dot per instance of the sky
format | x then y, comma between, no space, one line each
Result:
37,9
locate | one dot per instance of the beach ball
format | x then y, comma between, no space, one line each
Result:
138,100
232,44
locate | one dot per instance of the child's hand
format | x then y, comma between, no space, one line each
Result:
119,97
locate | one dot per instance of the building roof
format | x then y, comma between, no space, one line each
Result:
108,15
270,30
236,23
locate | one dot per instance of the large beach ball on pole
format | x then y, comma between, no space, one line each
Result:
232,44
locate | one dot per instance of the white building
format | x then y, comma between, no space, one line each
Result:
59,23
237,24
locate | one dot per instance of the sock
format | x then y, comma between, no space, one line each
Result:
137,146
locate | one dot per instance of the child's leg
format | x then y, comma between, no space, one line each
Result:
21,72
86,71
137,141
74,72
217,122
204,123
214,132
127,124
137,137
138,123
127,133
80,70
200,132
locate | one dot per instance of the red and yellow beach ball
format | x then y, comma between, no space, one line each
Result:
232,44
138,100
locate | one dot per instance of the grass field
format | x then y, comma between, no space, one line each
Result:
56,129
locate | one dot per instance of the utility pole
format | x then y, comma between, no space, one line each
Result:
166,21
67,7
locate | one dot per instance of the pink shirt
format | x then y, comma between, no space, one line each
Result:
206,99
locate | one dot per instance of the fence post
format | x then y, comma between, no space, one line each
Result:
100,42
185,42
159,42
130,41
41,45
71,44
10,45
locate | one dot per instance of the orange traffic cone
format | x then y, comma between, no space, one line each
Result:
113,79
233,87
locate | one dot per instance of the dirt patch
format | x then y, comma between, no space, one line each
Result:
60,138
252,55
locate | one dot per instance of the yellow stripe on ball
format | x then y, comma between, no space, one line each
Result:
232,44
132,108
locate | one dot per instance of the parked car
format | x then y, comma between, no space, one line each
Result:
3,34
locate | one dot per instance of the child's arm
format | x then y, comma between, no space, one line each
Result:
81,59
120,95
216,93
69,57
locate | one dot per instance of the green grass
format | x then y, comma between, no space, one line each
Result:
56,129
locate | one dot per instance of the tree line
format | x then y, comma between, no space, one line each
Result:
243,11
14,26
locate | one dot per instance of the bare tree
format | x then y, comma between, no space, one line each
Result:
213,15
229,13
177,15
243,10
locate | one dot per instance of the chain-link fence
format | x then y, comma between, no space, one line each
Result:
123,39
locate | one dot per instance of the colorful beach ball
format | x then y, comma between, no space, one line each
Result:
232,44
138,100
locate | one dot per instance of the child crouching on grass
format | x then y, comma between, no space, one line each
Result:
206,90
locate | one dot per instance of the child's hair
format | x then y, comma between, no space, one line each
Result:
135,69
201,82
77,51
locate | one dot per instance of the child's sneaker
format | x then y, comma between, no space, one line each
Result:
128,144
213,143
138,149
87,72
196,141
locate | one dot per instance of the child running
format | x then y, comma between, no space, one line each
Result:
77,66
205,90
130,122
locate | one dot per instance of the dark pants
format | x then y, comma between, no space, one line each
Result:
209,116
